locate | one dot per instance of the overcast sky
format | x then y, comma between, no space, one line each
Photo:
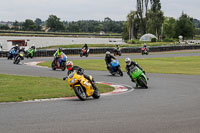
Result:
73,10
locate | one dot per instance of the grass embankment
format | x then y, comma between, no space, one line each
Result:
109,45
22,88
170,65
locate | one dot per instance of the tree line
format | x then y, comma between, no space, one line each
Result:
146,18
54,24
149,18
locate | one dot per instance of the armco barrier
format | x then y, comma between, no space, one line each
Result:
48,53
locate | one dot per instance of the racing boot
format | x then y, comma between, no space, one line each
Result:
93,84
91,81
136,85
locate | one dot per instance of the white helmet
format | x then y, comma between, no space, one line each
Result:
128,61
107,53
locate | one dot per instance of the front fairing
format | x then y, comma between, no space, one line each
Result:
135,72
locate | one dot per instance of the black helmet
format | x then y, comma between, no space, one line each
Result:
60,49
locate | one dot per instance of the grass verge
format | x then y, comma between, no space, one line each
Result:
15,88
171,65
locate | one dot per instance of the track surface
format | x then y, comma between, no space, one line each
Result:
170,105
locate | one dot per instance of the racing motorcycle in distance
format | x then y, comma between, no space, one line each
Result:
145,50
18,58
139,77
30,53
59,62
82,87
115,68
84,52
11,54
117,52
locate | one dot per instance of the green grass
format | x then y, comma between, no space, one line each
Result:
170,65
22,88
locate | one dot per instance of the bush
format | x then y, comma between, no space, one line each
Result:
136,41
131,41
153,39
168,40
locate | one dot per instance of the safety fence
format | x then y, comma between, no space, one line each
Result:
48,53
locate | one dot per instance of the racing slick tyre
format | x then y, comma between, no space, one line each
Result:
80,93
53,65
63,66
120,72
81,54
96,94
143,82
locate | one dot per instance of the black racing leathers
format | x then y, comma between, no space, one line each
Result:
109,58
85,47
80,71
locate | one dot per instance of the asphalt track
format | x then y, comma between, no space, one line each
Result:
170,105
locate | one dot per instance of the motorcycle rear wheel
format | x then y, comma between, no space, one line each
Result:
120,72
96,94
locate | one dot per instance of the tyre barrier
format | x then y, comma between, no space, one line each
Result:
49,53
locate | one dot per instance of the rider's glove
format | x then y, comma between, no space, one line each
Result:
64,78
144,72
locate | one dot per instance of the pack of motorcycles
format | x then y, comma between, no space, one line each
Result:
82,87
18,55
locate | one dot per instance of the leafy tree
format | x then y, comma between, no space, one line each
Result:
4,27
16,25
125,33
169,27
156,18
55,24
196,23
38,21
184,26
29,25
133,25
95,26
142,10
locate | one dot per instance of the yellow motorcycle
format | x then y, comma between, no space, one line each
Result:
82,87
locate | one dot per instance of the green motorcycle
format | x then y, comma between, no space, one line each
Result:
139,77
30,53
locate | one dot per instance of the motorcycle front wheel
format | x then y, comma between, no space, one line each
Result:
63,66
80,93
143,82
53,65
81,54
